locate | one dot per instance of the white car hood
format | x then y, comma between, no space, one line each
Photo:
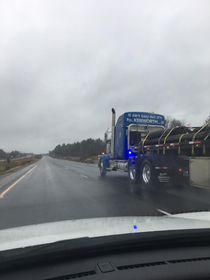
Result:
32,235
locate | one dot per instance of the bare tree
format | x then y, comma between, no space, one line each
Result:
207,120
170,122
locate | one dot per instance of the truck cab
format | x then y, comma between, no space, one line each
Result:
129,131
140,145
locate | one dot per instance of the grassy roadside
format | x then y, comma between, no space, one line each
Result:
92,159
13,164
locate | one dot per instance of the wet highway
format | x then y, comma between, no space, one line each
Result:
57,190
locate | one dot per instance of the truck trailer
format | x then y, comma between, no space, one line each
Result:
152,154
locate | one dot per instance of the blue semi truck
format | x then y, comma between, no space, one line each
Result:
152,155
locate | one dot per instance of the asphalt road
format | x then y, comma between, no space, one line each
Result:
56,190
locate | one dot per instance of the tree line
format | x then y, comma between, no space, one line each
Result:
13,154
170,122
91,147
85,148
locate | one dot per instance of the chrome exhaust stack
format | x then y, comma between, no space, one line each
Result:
113,133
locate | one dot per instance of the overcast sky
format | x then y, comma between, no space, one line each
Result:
64,64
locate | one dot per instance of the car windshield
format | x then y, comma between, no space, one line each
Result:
104,115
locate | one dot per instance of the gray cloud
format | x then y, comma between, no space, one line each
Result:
65,64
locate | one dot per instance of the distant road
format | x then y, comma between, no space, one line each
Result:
54,190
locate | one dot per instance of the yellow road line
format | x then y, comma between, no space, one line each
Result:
2,194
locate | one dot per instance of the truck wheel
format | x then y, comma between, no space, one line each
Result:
101,168
133,173
147,174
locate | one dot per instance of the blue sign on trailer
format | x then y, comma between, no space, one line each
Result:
140,118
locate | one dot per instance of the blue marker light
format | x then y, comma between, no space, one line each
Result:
135,226
129,152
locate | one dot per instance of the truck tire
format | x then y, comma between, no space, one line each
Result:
147,175
101,168
133,172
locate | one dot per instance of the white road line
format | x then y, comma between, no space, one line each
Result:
164,212
84,176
